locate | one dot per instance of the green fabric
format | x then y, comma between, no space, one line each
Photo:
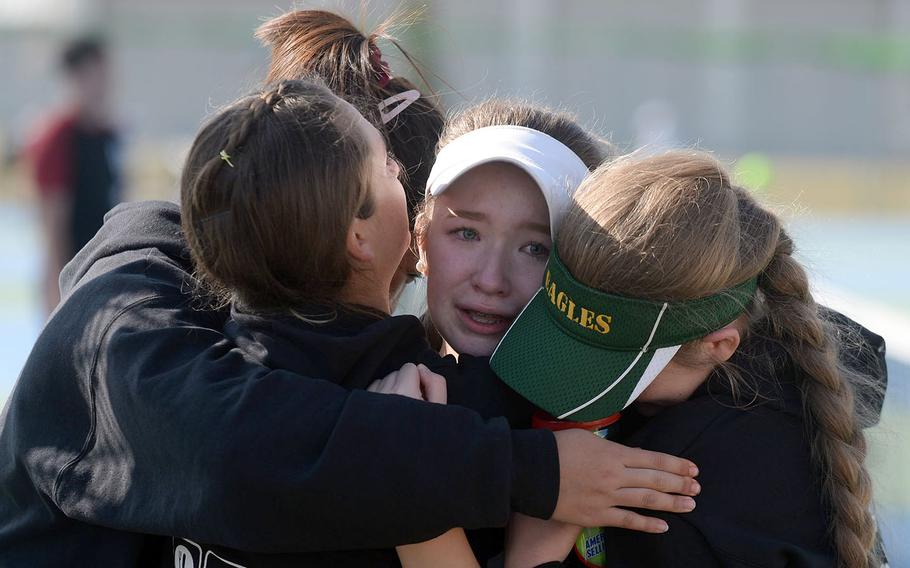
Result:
544,363
617,322
560,362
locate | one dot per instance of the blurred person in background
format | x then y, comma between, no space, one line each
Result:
73,155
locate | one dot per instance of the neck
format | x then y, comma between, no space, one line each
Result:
674,385
449,350
363,290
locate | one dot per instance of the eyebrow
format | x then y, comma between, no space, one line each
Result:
539,227
472,215
478,216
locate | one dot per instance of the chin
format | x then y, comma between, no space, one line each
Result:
475,346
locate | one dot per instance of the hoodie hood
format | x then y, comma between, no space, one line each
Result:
152,228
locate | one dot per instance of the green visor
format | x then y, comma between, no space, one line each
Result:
582,354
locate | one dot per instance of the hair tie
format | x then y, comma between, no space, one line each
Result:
380,67
272,98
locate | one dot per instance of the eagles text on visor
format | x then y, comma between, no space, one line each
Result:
582,354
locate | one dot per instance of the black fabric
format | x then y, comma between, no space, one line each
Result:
353,349
136,416
95,182
760,503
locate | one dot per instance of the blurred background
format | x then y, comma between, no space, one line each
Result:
808,102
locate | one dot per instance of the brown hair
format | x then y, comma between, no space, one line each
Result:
673,227
307,42
269,190
560,125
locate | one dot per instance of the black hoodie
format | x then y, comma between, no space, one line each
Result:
761,502
135,416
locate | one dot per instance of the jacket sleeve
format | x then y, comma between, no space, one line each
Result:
191,439
759,504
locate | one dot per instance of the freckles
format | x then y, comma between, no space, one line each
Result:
531,278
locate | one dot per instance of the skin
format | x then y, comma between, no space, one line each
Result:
677,381
90,90
485,251
377,243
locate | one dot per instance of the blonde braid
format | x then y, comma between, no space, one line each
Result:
837,441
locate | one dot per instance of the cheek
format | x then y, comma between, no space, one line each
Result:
446,266
528,279
397,202
397,208
652,392
671,386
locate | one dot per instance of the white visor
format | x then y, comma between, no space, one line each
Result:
556,169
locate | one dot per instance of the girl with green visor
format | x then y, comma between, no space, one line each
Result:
674,294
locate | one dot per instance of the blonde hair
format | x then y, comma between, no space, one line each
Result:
673,227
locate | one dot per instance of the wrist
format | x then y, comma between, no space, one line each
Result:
535,473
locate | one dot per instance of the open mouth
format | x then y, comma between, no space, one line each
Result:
484,322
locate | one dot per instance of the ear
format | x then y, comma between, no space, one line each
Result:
423,266
358,245
720,345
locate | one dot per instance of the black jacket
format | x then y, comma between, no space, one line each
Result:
135,416
760,504
354,348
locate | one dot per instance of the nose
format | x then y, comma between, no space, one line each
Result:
491,275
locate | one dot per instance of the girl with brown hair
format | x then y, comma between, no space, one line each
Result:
709,327
293,212
307,43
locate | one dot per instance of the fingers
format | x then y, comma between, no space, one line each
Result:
659,481
624,519
383,385
432,384
654,500
407,381
414,381
644,459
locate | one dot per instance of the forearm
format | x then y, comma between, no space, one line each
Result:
532,542
448,550
244,455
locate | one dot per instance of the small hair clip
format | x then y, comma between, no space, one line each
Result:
404,99
227,158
